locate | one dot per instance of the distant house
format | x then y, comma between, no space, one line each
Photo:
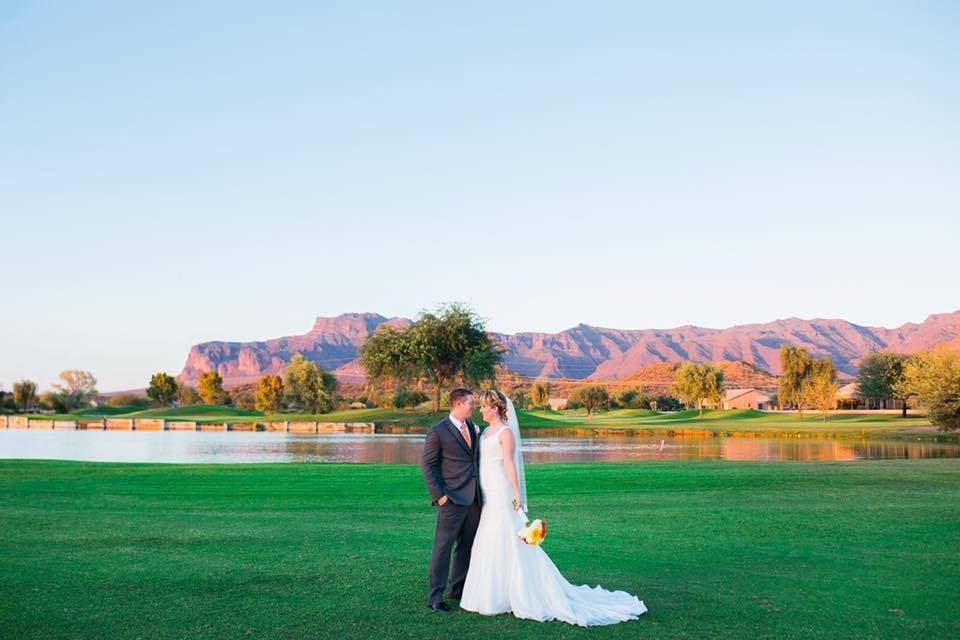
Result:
848,397
557,404
746,399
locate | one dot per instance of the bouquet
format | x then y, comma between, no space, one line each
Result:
533,533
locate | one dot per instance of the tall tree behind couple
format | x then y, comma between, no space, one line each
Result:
476,481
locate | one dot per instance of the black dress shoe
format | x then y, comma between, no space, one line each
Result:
440,607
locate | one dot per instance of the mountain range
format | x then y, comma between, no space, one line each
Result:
584,352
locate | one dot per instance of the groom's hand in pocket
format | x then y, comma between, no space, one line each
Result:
442,501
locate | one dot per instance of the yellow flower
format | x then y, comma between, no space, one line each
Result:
534,533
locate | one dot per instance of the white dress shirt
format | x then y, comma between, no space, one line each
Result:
462,425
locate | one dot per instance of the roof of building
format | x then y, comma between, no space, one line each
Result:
731,394
849,390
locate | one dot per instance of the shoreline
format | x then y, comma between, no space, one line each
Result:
624,423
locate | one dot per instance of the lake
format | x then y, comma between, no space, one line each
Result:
246,447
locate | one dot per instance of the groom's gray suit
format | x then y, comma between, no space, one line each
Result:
452,468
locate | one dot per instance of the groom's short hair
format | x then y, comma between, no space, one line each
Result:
459,394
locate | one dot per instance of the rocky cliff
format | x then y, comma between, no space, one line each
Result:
584,351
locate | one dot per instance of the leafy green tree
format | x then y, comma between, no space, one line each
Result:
820,388
633,399
243,398
54,401
162,389
24,394
933,377
540,394
881,376
646,401
404,398
128,400
665,403
187,395
387,356
520,399
625,399
697,384
309,386
795,363
6,402
210,388
448,345
76,388
269,394
591,397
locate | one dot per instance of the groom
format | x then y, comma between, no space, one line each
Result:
451,467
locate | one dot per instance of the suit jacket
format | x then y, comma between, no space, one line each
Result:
449,467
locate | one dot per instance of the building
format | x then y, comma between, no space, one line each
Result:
848,397
557,404
746,399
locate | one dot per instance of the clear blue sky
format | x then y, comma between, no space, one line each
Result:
177,172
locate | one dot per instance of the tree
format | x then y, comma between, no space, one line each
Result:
243,398
633,399
934,378
269,394
441,347
540,394
591,397
163,389
626,398
820,388
665,403
76,389
128,400
520,399
24,394
53,400
408,398
309,386
881,376
210,388
7,404
387,357
187,395
795,363
698,383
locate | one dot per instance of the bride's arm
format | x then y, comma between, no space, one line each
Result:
506,439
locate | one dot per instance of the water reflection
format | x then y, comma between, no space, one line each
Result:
203,447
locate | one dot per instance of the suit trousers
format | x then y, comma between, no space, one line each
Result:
456,523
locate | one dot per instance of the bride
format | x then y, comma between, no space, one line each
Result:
505,573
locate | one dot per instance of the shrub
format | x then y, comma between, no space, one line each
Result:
128,400
409,398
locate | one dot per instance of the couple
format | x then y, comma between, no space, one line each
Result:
477,482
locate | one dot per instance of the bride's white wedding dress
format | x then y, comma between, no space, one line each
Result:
506,574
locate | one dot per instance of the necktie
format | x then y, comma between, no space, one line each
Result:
465,433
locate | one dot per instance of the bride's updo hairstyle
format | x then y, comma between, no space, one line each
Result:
493,398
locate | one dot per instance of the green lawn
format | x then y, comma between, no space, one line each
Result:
733,422
739,421
716,550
